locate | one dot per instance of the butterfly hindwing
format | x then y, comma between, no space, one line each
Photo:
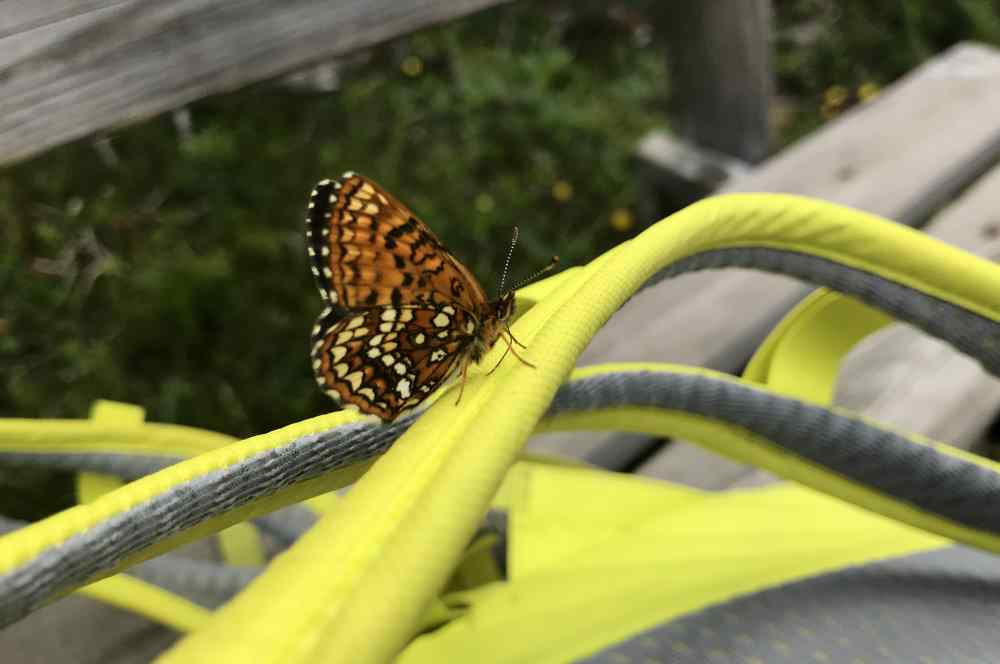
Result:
384,360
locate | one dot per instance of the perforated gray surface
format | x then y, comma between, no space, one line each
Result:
940,607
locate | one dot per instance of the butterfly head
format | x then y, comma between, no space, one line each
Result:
503,309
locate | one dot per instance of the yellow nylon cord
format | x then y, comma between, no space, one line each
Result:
151,601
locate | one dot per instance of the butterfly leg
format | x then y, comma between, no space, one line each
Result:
497,365
461,390
514,339
518,355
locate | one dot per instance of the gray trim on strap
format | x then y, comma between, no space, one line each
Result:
937,606
185,505
970,333
205,582
286,525
950,486
888,462
126,466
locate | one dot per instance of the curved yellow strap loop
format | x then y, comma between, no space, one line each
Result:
354,588
801,357
151,601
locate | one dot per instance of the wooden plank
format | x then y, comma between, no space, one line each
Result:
721,73
901,156
899,376
76,68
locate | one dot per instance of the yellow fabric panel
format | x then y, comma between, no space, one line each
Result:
604,580
736,443
151,601
801,357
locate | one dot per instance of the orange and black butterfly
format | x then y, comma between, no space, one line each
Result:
403,314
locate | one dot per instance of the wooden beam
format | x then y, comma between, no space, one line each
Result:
719,57
69,68
902,156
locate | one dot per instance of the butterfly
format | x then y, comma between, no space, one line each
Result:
402,313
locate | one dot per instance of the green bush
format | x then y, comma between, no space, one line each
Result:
172,273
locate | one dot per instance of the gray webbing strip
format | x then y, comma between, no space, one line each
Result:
286,524
967,331
206,582
126,466
100,548
938,606
950,486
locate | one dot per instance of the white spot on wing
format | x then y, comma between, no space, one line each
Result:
441,320
403,388
355,378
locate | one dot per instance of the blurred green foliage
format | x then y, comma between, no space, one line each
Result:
167,268
826,48
163,264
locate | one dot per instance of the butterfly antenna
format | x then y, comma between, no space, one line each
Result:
551,265
506,265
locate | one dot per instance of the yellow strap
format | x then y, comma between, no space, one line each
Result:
801,357
148,600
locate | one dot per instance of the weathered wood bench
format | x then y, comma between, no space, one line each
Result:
927,139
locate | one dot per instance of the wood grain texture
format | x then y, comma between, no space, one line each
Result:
68,68
919,143
721,73
899,375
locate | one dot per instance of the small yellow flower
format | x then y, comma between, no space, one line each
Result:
621,219
484,203
562,191
834,98
412,66
868,91
835,95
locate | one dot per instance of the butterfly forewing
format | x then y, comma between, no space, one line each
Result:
368,249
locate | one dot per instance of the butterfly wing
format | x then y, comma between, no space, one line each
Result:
368,249
384,360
